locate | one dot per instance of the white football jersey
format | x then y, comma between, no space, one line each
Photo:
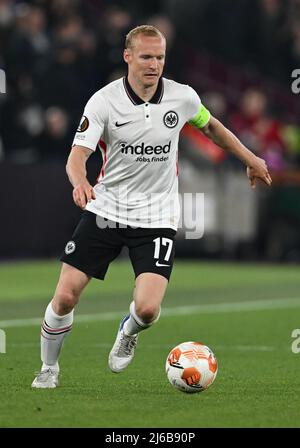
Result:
138,182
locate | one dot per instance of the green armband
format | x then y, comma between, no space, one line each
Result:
201,118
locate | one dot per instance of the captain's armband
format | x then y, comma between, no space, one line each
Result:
201,118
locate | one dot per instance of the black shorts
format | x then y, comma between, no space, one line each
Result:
97,241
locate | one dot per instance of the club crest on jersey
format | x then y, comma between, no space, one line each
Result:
171,119
70,247
84,124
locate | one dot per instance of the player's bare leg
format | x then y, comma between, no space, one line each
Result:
144,312
57,323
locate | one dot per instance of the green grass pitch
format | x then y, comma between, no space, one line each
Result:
245,313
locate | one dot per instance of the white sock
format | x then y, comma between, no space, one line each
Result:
134,324
53,332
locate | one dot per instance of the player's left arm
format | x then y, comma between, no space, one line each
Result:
223,137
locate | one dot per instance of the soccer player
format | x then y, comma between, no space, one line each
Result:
136,122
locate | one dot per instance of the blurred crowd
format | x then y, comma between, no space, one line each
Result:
57,53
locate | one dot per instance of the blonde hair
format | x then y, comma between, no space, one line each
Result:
145,30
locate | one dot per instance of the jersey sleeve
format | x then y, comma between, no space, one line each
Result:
199,116
92,123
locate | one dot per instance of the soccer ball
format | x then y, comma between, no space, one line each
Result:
191,367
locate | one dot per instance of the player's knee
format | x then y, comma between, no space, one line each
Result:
65,301
147,313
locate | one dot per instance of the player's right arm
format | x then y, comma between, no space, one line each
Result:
76,169
88,134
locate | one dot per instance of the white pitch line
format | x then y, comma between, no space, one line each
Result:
106,345
176,311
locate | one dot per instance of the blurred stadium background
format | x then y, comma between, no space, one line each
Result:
238,55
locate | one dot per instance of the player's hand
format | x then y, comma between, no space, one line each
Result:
83,193
258,170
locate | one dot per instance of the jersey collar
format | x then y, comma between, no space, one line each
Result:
136,100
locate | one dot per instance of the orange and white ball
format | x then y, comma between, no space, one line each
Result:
191,367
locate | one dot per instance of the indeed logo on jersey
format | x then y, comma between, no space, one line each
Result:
141,149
